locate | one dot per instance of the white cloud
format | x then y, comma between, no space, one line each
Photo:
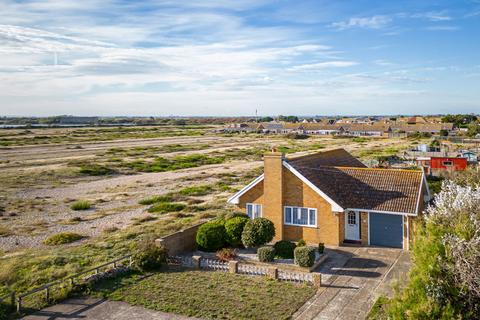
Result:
374,22
434,16
443,28
322,65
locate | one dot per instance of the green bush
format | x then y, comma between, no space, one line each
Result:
196,190
95,170
231,215
304,256
211,236
149,256
155,199
234,228
257,232
321,247
284,249
62,238
4,310
81,205
165,207
301,243
266,254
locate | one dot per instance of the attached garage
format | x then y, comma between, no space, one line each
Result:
386,230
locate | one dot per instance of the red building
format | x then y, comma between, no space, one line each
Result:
436,165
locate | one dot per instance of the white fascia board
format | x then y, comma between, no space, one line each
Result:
235,199
381,211
335,206
419,198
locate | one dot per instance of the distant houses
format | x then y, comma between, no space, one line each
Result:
347,127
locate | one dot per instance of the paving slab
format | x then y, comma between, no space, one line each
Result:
99,309
352,279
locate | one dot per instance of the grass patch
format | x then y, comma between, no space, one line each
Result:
4,231
359,139
165,207
196,190
81,205
155,199
161,164
186,292
377,312
62,238
95,170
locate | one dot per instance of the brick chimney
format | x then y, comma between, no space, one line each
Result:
273,190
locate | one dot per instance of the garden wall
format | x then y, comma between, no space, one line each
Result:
181,241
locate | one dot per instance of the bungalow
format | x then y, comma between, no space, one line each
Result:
332,197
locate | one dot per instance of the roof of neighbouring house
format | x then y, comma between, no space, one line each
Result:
336,157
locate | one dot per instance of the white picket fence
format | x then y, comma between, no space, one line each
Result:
242,268
252,270
294,276
213,264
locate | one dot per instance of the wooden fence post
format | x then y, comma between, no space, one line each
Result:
233,266
196,261
317,279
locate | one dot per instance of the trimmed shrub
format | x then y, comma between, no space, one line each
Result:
301,243
284,249
226,254
321,247
232,215
164,207
211,236
266,254
234,228
149,256
81,205
257,232
304,256
62,238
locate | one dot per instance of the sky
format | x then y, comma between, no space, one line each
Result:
233,57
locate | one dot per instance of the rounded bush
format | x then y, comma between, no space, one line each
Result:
304,256
284,249
266,254
211,236
62,238
149,256
301,243
234,228
258,232
232,215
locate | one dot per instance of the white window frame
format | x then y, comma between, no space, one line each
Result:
299,210
257,210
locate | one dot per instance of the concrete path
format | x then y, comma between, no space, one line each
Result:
352,279
99,309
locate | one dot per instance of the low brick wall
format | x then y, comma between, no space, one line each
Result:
181,241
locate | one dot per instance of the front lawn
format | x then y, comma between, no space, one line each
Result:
208,294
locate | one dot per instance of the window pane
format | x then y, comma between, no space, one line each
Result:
295,215
313,217
304,216
250,210
258,210
288,215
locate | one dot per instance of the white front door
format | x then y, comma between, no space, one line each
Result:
352,225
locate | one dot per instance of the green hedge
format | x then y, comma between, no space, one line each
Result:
304,256
284,249
258,232
266,254
234,228
149,256
211,236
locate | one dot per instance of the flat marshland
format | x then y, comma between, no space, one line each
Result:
97,190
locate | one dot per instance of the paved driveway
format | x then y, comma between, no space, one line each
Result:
352,279
99,309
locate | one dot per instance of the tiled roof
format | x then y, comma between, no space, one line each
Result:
336,157
358,187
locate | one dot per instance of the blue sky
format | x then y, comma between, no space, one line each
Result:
230,57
